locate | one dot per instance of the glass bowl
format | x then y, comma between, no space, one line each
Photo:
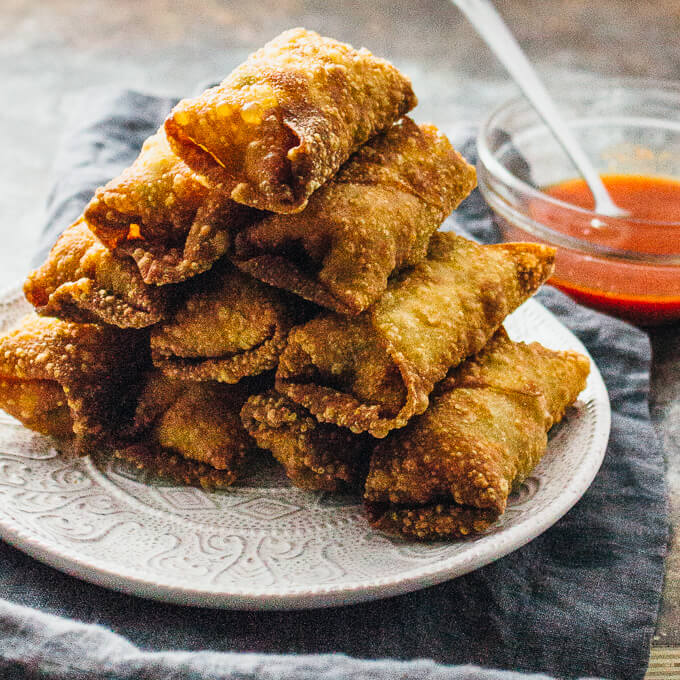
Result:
627,127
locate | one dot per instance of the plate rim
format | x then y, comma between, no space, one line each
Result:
321,596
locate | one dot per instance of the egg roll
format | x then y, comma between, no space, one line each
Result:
285,120
450,471
71,381
83,281
229,326
373,372
172,221
375,217
189,432
314,455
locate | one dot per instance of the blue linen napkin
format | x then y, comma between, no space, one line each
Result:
581,599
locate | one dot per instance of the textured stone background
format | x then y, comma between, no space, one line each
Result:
56,50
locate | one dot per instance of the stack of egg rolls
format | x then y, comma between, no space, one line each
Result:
268,276
449,472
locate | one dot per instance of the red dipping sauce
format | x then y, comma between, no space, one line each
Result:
645,291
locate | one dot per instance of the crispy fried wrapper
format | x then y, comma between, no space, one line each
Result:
71,381
315,455
82,280
374,217
189,432
172,221
450,471
373,372
229,326
283,122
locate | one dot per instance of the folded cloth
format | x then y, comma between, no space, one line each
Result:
77,651
579,600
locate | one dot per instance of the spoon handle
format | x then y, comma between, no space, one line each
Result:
493,30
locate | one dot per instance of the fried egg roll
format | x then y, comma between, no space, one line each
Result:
314,455
82,280
172,221
189,432
375,217
283,122
228,327
71,381
373,372
450,471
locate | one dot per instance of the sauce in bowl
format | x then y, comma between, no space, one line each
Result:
630,130
640,292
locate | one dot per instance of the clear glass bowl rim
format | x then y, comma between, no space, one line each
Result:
504,176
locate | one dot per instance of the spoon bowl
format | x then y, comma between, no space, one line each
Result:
626,266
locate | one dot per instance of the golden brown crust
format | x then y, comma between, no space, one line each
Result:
373,372
228,327
188,431
374,217
173,222
315,455
46,364
175,468
39,404
450,471
283,122
559,376
436,521
83,281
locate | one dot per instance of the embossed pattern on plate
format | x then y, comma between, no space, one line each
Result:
264,544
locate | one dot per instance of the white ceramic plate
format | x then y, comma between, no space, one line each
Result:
265,544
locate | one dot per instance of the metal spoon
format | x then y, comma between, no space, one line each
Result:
495,33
